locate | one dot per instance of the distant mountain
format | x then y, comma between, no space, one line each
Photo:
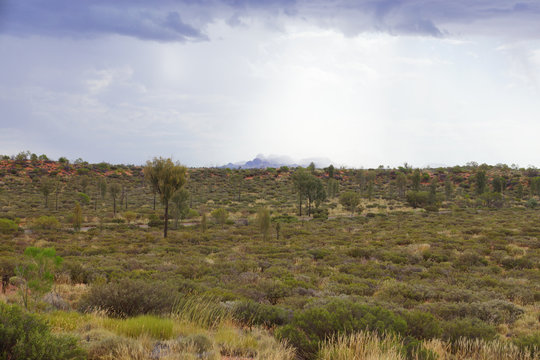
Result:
275,161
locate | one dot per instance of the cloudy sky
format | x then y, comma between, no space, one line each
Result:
208,82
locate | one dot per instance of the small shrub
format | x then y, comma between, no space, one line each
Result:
8,226
529,343
422,325
200,343
24,336
471,328
155,221
129,298
252,313
156,328
46,222
311,327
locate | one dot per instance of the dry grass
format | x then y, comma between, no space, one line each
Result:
477,350
361,346
369,346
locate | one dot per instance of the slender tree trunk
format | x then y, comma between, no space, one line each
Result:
154,201
47,201
114,207
166,219
300,205
56,201
126,199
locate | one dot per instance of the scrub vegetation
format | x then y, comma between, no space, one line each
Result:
268,264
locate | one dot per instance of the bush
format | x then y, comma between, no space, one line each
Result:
310,327
471,328
8,226
252,313
321,214
129,298
155,221
532,203
24,336
414,349
422,325
46,222
529,343
418,198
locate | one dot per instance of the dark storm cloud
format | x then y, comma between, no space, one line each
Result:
147,21
169,20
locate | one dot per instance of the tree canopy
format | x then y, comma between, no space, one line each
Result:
166,177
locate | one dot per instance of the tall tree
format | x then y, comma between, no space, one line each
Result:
481,182
263,220
309,187
180,208
448,188
114,190
166,177
416,180
401,183
350,200
46,187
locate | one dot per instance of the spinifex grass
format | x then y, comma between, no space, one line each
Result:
154,327
204,311
362,346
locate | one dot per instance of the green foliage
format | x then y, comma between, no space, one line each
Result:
8,226
309,187
130,216
416,180
532,203
77,216
252,313
180,204
114,190
332,188
350,200
24,336
166,177
422,325
83,198
320,213
309,328
529,343
418,198
46,222
263,222
37,272
481,182
46,187
220,216
471,328
126,298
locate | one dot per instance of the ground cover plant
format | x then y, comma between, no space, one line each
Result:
430,263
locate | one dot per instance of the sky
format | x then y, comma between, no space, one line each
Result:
363,83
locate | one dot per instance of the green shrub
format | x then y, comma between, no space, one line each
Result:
312,326
529,343
24,336
252,313
517,263
422,325
413,349
321,214
46,222
8,226
418,198
129,298
155,221
471,328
